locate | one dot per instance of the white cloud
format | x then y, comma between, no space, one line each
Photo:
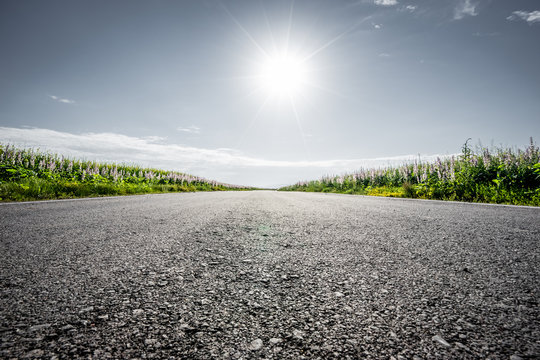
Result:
191,129
411,8
465,8
386,2
486,34
384,55
222,164
377,26
61,100
530,17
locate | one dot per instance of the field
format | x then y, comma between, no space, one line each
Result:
27,174
502,176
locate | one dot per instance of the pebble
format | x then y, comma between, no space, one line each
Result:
34,353
338,294
256,345
138,312
274,341
39,327
298,334
150,341
440,340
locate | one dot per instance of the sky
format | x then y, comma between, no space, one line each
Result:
268,93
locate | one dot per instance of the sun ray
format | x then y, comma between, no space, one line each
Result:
248,35
252,122
328,90
289,27
272,38
336,38
293,106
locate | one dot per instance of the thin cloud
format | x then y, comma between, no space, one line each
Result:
384,55
386,2
410,8
529,17
61,100
191,129
488,34
377,26
465,8
153,152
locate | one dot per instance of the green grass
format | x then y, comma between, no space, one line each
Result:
26,174
502,176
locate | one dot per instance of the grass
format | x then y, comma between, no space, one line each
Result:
27,174
502,176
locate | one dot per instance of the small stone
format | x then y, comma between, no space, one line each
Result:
515,357
150,341
163,283
39,327
34,353
247,261
440,340
205,301
138,312
186,328
275,341
103,317
298,334
86,309
339,294
256,345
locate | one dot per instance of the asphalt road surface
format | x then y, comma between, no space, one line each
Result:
247,275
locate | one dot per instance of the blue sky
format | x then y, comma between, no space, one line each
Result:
184,85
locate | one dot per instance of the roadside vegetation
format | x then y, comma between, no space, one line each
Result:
28,174
502,176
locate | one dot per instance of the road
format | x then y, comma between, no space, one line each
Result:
265,274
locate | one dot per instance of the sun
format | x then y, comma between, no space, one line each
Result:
283,74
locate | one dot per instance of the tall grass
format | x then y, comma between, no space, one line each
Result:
27,174
494,176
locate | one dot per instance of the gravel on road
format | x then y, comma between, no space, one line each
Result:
273,275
